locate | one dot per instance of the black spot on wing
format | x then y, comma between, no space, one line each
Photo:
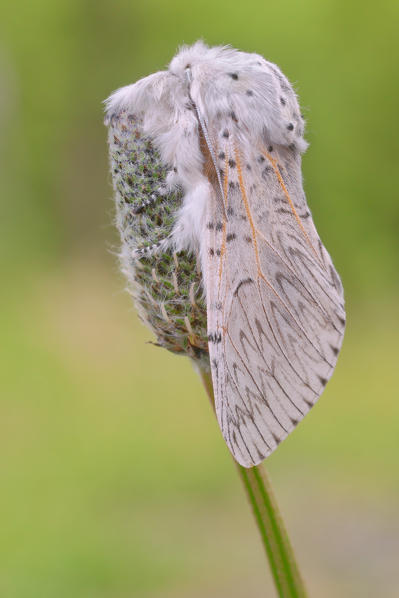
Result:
267,171
215,337
241,283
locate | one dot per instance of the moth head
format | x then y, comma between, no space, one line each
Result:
188,57
199,61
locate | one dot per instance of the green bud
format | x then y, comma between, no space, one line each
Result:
166,286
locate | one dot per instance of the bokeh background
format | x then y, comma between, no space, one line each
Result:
115,481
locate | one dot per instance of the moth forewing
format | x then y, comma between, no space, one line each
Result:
278,327
274,310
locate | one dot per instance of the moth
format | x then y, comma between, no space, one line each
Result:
228,126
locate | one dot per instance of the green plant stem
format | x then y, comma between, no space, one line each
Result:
278,548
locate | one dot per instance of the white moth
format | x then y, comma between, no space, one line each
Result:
228,125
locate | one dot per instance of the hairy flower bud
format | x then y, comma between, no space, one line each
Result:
166,286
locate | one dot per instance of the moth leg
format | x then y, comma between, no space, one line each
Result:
155,249
160,195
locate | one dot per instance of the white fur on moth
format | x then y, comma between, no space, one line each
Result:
228,125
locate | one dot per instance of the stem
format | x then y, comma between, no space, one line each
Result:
278,548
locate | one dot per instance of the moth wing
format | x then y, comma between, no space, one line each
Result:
274,302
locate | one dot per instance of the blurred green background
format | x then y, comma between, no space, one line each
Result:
115,481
